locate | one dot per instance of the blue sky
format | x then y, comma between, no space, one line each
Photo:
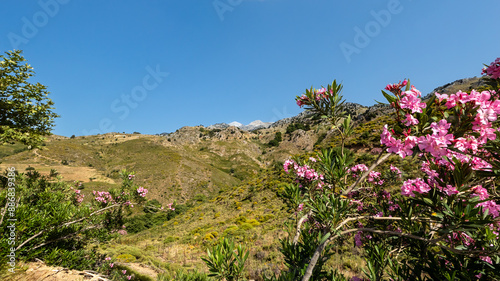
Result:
154,66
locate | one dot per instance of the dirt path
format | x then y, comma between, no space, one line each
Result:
38,271
45,157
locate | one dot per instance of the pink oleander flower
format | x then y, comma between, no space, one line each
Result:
396,87
129,277
320,94
170,207
396,146
103,196
395,170
107,258
131,176
142,191
124,271
492,207
486,259
303,100
374,177
414,185
480,191
410,120
288,163
111,265
411,100
493,70
441,97
301,207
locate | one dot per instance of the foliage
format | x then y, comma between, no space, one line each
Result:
25,109
442,226
53,223
277,139
292,127
226,261
183,276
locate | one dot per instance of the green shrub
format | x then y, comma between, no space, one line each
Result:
226,261
171,239
125,258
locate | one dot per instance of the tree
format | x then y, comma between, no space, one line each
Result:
441,224
25,109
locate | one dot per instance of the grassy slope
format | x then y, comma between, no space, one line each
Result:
207,176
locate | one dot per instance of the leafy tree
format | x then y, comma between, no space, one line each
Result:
25,109
277,139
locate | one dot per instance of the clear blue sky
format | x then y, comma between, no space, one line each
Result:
155,66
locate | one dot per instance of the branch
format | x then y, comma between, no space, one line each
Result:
377,162
67,236
299,224
64,224
378,218
4,211
322,246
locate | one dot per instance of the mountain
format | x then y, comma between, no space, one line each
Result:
236,124
255,125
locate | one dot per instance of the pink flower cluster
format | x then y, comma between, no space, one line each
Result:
411,100
103,196
142,191
374,177
131,177
396,87
317,95
302,172
301,207
493,70
415,185
401,148
492,207
357,170
79,196
437,143
303,100
170,207
395,170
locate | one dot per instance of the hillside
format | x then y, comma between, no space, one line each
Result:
225,181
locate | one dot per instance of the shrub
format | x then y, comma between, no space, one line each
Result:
127,258
226,261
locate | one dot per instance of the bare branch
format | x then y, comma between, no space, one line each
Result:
65,224
377,162
4,211
299,225
65,237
